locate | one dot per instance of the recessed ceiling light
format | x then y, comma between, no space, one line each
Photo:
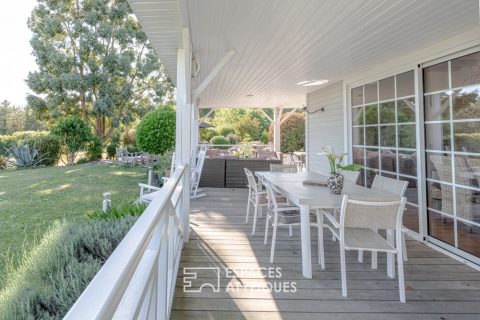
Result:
249,95
310,83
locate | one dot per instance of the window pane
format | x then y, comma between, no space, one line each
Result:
387,89
467,206
371,114
440,166
467,170
358,156
371,93
467,136
466,70
410,218
407,136
372,158
357,96
436,107
407,162
357,136
469,238
370,175
437,136
406,110
357,116
387,112
405,84
435,78
466,103
389,175
388,136
440,197
441,227
389,160
412,189
371,136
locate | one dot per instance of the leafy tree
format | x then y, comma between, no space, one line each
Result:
74,134
156,132
95,62
292,133
248,126
14,119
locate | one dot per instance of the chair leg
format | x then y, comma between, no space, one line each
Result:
335,216
267,219
401,279
248,210
404,247
254,219
375,258
290,230
274,237
321,249
360,256
343,269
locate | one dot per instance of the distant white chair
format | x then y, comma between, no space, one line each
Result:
148,192
283,214
358,218
196,174
257,198
283,168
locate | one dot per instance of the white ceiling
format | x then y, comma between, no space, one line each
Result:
281,42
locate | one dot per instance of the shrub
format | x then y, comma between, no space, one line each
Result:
206,134
264,137
112,150
56,271
219,140
292,135
94,149
74,134
83,161
126,210
248,126
19,138
128,137
233,138
25,157
156,131
47,145
3,163
225,131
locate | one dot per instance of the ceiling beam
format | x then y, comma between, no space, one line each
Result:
215,71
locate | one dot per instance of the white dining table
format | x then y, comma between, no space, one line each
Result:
309,197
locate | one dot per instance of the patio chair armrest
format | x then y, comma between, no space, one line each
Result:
149,187
289,208
330,218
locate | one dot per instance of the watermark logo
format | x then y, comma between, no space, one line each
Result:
257,279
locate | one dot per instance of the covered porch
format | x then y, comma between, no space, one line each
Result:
375,79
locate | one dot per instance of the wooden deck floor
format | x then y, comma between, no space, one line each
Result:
438,287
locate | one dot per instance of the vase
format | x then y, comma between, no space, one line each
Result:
335,183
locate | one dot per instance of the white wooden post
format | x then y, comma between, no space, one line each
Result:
195,133
277,118
183,145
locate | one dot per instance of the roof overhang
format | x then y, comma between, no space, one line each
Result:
281,43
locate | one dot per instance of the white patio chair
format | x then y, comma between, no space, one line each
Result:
283,168
395,187
148,192
358,217
351,176
285,215
257,198
196,174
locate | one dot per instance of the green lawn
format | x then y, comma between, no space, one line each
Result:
31,200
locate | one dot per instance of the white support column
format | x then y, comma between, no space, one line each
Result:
277,119
195,132
183,145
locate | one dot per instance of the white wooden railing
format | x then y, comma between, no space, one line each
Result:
138,280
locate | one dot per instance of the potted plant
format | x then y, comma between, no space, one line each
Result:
335,180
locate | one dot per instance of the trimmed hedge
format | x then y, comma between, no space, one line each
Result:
54,274
156,131
47,144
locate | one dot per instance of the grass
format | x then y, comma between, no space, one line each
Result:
32,200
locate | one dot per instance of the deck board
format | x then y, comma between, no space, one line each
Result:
438,287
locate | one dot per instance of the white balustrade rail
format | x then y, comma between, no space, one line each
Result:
138,280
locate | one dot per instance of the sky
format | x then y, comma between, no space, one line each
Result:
15,51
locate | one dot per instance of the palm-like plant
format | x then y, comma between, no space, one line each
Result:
23,155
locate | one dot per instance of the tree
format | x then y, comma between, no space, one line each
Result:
95,62
74,134
156,132
292,133
14,119
248,127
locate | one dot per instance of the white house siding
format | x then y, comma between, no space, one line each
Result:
325,128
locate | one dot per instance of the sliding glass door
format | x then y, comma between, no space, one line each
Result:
452,155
